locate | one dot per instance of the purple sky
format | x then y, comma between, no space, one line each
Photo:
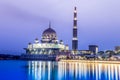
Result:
21,21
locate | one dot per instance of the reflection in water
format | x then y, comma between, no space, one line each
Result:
72,71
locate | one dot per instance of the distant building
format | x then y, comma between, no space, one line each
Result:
93,48
117,49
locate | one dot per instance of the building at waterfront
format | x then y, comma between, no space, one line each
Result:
50,48
49,44
93,48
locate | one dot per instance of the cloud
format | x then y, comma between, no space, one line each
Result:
12,12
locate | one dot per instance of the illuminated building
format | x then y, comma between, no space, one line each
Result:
75,39
49,44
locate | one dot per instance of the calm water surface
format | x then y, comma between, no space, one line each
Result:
46,70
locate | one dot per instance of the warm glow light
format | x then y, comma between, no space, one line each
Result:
75,38
75,18
79,69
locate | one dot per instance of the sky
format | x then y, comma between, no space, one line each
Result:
21,21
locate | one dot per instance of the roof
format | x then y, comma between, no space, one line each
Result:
49,31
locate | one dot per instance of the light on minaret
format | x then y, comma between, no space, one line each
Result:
75,38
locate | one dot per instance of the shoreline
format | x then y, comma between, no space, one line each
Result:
73,61
93,61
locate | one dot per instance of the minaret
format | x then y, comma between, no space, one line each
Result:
75,38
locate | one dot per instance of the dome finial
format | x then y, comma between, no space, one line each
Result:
49,24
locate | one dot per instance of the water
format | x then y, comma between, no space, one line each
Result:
41,70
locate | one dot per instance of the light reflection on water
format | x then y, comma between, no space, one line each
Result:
72,71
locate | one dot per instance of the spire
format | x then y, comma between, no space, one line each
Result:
49,24
75,8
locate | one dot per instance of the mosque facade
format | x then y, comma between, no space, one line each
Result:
49,43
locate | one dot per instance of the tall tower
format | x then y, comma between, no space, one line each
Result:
75,38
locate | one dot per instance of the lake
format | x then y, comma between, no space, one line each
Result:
47,70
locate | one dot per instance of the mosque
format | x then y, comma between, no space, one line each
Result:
49,44
49,47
